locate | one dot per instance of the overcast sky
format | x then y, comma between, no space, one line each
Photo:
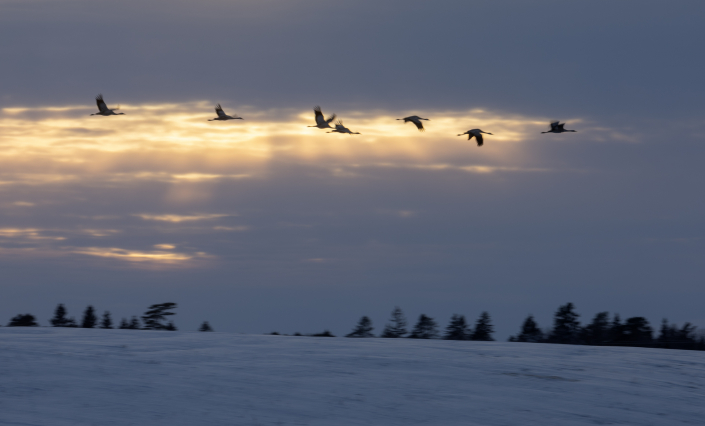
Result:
265,224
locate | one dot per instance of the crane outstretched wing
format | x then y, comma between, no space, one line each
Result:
319,115
102,107
419,125
219,111
478,137
554,125
330,119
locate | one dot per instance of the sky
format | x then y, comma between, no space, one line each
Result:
266,224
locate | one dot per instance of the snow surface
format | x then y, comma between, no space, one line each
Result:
59,377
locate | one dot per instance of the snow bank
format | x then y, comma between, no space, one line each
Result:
75,377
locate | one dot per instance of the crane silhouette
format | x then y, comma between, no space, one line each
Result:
477,134
416,120
103,108
222,116
557,127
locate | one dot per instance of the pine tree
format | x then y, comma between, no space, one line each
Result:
89,318
457,328
530,332
483,328
398,326
23,320
363,329
60,319
124,325
207,327
667,335
134,323
597,332
616,333
170,327
107,322
566,328
425,328
156,315
637,331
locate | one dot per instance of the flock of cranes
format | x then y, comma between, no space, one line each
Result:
324,123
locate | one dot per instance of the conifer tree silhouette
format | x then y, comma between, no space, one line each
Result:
124,325
457,329
362,329
89,318
398,326
530,332
597,332
483,328
23,320
156,315
134,323
566,328
207,327
425,328
106,322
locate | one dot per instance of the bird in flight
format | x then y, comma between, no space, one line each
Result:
340,128
416,120
103,108
222,116
477,133
322,123
557,127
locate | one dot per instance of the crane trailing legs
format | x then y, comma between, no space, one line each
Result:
477,134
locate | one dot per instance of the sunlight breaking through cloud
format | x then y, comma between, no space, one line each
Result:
174,218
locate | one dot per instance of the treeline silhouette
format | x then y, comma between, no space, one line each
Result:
601,331
154,319
566,329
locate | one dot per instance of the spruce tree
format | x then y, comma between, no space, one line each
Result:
106,322
616,333
566,328
156,315
134,323
597,332
124,325
60,319
483,328
89,318
638,332
207,327
398,326
23,320
425,328
530,332
170,327
362,329
457,328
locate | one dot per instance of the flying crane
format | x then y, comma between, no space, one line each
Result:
477,133
222,116
103,108
322,123
416,120
557,127
340,128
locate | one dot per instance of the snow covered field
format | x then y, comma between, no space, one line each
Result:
60,377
